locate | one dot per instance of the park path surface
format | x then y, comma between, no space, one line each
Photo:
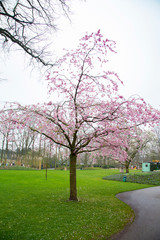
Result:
146,205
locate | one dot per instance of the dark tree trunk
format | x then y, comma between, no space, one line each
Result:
2,151
73,187
127,163
6,151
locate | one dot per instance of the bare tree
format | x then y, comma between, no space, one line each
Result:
27,23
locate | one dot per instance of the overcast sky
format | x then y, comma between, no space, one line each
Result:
133,24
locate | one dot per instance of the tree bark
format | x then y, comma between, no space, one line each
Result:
6,151
73,186
2,150
127,166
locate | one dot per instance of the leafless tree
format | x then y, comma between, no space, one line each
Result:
28,23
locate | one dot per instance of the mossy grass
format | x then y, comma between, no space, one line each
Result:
33,208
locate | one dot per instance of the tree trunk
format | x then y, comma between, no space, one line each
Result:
127,166
6,151
73,187
2,150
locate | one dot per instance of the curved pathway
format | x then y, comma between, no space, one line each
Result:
146,205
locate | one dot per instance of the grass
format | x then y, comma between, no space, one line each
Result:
138,177
32,208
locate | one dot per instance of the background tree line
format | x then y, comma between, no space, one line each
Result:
29,149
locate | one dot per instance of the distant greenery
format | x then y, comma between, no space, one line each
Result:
104,166
15,167
152,178
33,208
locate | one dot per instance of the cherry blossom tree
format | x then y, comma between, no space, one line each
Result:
137,140
85,112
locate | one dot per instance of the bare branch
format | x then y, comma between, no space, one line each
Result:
28,24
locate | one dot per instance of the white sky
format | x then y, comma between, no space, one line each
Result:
133,24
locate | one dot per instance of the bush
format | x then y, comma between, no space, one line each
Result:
152,178
108,166
96,165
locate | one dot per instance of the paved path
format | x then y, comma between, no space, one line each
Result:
146,205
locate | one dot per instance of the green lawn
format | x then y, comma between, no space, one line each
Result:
32,208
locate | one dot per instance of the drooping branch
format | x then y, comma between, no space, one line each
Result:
49,137
25,23
28,50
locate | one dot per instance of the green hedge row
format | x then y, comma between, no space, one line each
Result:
152,178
